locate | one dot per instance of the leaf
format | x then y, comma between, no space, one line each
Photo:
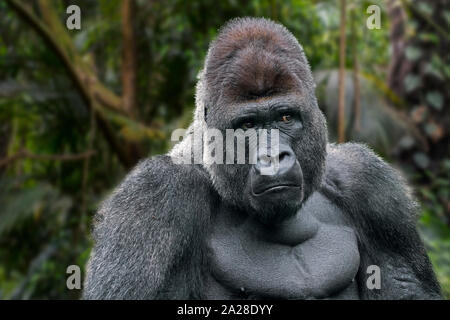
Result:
425,8
446,15
421,160
447,71
18,204
413,53
434,131
411,82
432,70
18,207
406,143
427,194
429,37
435,99
446,164
419,114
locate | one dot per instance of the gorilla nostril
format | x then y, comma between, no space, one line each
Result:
264,160
281,160
284,156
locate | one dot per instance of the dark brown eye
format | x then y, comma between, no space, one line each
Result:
286,118
247,125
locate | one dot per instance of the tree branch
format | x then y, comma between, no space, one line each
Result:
24,153
29,17
82,70
94,94
128,57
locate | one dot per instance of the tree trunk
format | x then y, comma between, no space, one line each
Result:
341,107
129,57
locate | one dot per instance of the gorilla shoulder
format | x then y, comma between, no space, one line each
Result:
370,191
378,203
157,180
156,214
355,172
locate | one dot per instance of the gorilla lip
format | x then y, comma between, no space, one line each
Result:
276,188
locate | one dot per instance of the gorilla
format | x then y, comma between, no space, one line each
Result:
314,229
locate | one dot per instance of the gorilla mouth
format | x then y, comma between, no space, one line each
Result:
275,188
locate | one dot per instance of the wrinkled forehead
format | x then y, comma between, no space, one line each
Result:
256,75
264,65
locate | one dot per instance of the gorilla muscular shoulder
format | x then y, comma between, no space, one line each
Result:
219,230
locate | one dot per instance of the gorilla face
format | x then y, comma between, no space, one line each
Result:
260,80
278,194
273,186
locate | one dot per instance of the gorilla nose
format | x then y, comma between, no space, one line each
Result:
278,174
275,164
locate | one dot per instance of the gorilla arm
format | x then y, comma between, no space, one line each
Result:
378,204
149,235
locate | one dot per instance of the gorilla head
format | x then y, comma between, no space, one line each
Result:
256,76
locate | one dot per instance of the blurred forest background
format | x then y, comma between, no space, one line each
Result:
78,108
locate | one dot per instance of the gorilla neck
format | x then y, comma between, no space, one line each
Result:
291,231
294,230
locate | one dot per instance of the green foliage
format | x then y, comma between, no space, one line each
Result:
437,241
435,203
379,124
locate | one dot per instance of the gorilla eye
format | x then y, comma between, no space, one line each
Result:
286,118
247,125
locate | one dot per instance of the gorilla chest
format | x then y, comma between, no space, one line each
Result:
313,255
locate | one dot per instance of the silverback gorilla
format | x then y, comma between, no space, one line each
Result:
226,231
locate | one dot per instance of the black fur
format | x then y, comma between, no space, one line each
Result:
380,206
149,235
162,232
